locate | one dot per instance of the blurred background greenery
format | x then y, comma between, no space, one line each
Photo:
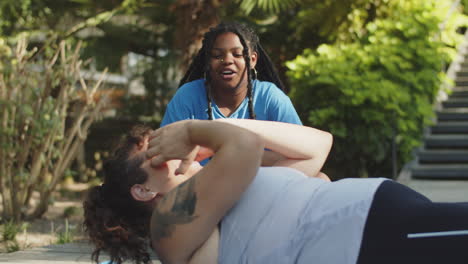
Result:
368,71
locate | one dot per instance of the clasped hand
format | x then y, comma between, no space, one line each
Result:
173,142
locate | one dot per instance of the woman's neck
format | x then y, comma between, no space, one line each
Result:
229,100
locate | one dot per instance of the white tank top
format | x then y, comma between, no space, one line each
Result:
286,217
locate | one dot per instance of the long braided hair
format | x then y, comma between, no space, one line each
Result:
200,66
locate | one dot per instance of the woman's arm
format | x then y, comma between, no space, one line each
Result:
300,147
186,216
208,252
315,143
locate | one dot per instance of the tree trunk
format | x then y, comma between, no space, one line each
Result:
194,18
42,206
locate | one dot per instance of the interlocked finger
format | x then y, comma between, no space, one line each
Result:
170,142
155,134
187,162
153,148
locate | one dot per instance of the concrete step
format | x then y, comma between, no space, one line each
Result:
450,127
459,92
443,156
461,81
445,141
448,172
460,88
463,72
454,114
464,64
455,103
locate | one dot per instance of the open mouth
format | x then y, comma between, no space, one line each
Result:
227,74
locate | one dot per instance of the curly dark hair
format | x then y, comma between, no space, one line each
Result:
113,220
200,66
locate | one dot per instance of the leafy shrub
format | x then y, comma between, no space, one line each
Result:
67,236
70,211
10,230
12,246
44,119
377,89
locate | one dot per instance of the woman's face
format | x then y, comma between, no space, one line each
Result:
162,179
227,64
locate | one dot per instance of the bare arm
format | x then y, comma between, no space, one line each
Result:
300,147
208,252
186,217
273,158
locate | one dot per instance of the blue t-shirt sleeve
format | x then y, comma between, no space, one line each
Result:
281,108
171,115
287,113
178,108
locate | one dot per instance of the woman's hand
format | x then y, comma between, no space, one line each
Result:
172,142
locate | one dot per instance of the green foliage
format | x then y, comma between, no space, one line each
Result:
270,6
378,89
44,118
67,236
13,12
70,211
465,6
10,230
158,77
330,20
12,246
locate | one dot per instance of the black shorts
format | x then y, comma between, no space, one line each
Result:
404,226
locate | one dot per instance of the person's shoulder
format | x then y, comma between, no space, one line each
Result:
274,103
267,88
264,84
193,86
269,91
190,90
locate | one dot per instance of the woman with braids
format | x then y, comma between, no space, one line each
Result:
235,210
231,77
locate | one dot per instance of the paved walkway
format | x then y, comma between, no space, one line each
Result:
57,254
437,190
72,253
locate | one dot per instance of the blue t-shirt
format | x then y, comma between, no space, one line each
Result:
270,103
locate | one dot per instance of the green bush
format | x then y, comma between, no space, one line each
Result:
379,88
67,236
10,230
12,246
46,109
71,211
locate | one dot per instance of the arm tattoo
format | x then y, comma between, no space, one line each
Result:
181,212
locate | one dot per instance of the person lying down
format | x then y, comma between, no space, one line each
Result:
240,208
